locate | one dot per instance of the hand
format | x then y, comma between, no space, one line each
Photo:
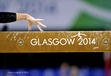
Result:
32,21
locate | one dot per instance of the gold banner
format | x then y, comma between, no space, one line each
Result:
62,41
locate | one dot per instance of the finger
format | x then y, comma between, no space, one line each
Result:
29,28
29,25
40,20
38,23
39,28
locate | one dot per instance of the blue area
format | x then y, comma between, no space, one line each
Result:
98,72
1,72
50,72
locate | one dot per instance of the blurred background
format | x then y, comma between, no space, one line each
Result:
55,64
60,14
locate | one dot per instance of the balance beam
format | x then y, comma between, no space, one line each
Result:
53,41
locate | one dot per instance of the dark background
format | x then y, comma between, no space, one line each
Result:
53,60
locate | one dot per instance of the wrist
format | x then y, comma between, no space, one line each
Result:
21,16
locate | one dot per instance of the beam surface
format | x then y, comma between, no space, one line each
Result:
53,41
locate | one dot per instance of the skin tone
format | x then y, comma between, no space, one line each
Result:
30,20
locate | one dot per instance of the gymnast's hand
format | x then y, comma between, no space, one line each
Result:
31,21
